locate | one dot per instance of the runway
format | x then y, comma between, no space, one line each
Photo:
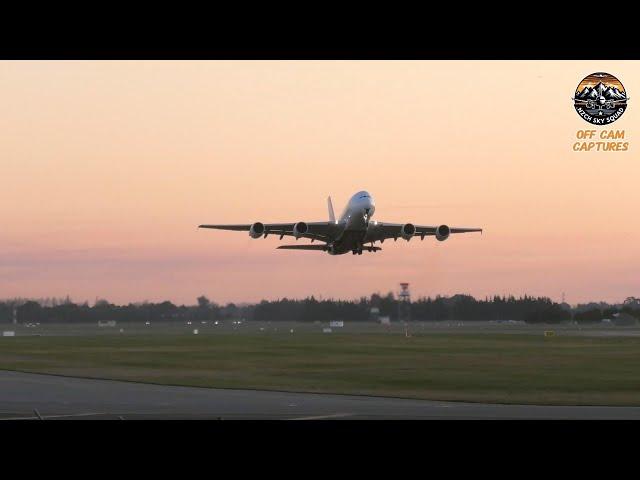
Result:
48,397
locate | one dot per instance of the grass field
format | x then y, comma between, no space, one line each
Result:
470,367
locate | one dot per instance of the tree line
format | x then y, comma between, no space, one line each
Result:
440,308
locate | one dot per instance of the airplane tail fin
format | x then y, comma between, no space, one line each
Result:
332,216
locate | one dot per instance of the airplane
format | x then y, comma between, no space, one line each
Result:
350,233
600,103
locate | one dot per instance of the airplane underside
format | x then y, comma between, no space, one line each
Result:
350,241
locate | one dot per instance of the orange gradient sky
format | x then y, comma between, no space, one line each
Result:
108,167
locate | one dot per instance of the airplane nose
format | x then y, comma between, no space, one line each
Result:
370,206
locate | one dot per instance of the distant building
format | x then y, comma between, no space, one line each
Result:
624,319
374,314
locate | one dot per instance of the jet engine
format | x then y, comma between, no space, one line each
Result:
442,233
256,230
300,229
407,231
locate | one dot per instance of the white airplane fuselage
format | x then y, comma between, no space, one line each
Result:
358,211
355,218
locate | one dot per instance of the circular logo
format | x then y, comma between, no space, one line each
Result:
600,98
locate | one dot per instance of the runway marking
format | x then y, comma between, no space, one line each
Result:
44,417
322,417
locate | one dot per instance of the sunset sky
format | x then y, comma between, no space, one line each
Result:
108,168
593,79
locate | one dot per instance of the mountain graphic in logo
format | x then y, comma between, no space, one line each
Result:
606,91
600,98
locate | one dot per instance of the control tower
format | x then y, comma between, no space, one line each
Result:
404,303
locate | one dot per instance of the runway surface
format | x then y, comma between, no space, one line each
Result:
34,396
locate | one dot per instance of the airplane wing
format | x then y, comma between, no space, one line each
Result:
382,231
323,231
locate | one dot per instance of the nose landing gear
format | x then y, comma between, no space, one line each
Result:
366,215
